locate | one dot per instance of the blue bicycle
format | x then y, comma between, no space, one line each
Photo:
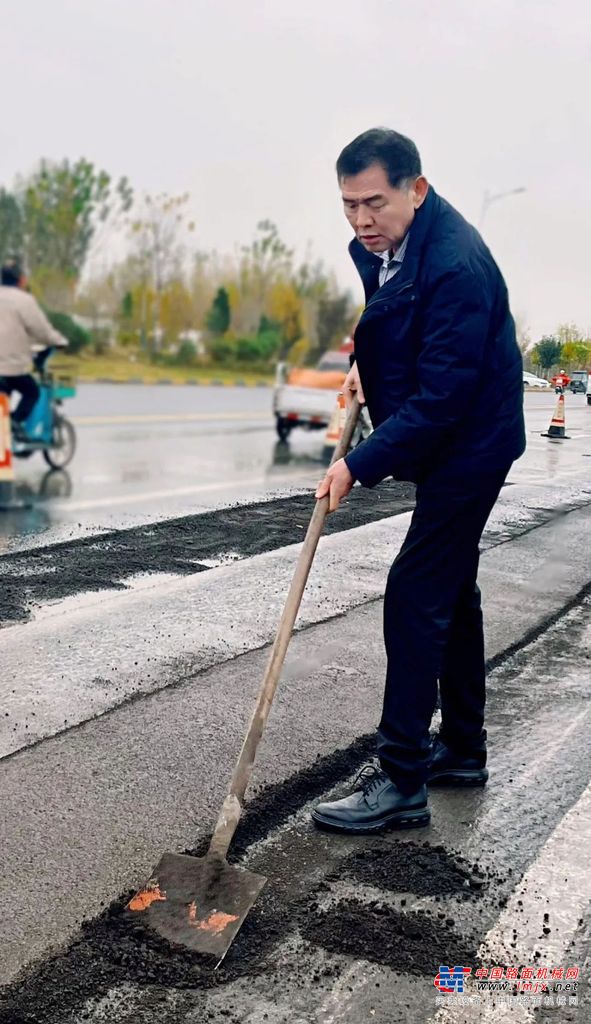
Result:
48,431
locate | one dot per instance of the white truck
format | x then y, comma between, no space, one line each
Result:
306,397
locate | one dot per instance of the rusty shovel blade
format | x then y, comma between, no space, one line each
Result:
199,902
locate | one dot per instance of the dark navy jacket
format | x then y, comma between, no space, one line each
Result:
437,356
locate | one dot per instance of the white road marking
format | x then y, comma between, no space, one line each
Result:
173,492
550,749
185,417
336,1004
557,883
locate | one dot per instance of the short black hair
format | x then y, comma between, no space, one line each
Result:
11,272
397,154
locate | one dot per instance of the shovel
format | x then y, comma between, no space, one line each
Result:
201,902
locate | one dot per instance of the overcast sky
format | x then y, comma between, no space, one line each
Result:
247,103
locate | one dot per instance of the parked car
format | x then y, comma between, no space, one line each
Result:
531,381
579,382
589,390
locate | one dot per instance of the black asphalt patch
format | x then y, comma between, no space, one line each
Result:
424,871
410,942
183,546
114,949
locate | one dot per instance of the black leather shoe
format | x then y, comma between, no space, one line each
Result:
450,769
376,804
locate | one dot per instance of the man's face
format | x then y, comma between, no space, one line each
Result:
379,214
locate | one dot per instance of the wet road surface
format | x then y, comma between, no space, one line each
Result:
156,452
123,709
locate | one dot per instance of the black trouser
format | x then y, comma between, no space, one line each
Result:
433,626
29,391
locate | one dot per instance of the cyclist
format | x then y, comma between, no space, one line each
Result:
24,330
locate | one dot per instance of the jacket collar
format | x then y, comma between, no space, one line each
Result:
368,264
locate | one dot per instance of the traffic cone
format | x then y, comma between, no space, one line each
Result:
557,428
7,498
335,428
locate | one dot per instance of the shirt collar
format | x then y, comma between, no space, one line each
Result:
398,256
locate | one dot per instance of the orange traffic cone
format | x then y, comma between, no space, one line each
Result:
334,431
557,428
7,499
335,428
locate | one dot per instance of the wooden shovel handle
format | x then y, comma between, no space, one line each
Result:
231,810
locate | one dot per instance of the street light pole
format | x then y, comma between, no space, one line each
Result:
489,198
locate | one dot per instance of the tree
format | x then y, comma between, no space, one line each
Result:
77,337
199,284
11,226
263,263
158,230
176,311
522,333
187,354
266,259
576,354
62,204
100,299
127,306
547,352
219,316
335,314
285,309
568,332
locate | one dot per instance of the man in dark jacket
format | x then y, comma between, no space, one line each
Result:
437,363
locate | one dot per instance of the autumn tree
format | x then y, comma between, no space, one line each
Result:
284,306
206,273
62,205
219,316
568,333
100,298
159,227
11,226
262,263
335,316
576,354
176,311
547,352
522,333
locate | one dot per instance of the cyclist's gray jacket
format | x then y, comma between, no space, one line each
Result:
24,328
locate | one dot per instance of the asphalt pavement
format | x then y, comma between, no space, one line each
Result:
153,452
147,452
124,706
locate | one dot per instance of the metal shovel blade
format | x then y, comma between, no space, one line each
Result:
199,902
